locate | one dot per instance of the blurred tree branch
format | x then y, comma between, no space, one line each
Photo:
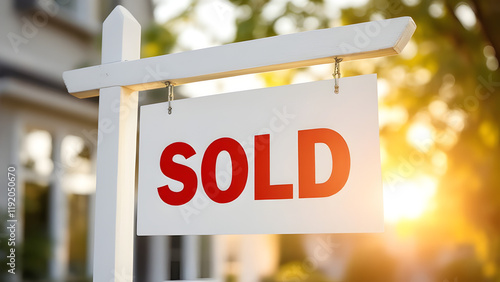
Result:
488,17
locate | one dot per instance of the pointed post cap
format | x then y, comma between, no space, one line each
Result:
121,36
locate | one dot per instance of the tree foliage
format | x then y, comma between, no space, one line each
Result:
443,95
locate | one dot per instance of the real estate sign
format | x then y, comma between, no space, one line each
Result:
280,160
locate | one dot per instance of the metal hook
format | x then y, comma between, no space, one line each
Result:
170,95
336,74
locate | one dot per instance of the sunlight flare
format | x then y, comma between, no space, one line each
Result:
409,199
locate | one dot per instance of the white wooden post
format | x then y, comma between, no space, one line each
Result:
90,236
218,265
58,209
190,257
116,150
158,267
91,225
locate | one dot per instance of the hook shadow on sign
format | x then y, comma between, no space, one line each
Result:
281,160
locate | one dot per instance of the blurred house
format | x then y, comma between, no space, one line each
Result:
50,138
46,134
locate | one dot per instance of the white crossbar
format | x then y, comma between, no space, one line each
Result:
352,42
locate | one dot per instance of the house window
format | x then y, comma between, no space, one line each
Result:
78,182
175,257
78,235
77,170
37,166
36,249
59,179
205,256
77,14
36,155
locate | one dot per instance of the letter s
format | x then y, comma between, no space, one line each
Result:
178,172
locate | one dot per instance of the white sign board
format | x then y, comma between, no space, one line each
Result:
281,160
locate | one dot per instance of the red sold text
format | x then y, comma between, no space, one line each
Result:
264,190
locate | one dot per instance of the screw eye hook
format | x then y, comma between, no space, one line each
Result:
170,95
336,74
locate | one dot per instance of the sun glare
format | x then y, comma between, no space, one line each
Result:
420,136
409,199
